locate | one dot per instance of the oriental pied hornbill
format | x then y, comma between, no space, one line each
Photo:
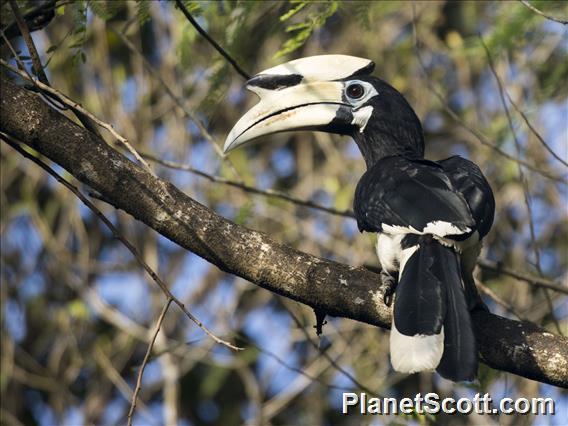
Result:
430,216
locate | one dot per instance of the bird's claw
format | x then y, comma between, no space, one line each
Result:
388,285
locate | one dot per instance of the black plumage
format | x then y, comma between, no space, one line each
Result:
469,181
429,216
429,296
409,193
420,305
441,210
459,359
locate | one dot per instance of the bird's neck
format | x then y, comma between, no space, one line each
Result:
380,144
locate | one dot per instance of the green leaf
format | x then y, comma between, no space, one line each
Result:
105,9
300,26
193,7
79,33
79,15
303,30
293,11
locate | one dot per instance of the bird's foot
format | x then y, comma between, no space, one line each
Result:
388,285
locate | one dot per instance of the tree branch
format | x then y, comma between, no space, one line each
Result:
337,289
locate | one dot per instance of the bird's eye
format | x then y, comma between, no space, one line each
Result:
355,91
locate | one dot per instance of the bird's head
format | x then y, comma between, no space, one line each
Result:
334,94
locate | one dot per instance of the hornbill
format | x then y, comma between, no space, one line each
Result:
430,216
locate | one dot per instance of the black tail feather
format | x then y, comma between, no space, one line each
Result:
419,306
459,361
416,336
433,293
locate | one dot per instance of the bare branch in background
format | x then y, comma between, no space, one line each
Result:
534,131
479,135
315,345
491,294
529,279
180,103
247,188
146,358
14,144
522,179
207,37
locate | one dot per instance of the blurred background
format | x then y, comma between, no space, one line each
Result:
77,309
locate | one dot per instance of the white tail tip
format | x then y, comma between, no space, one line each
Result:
411,354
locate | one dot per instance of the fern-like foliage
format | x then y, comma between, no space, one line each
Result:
105,9
143,11
78,11
301,31
193,7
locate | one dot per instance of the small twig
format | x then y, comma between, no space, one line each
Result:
322,352
105,364
485,141
77,107
294,369
491,294
530,279
247,188
535,132
14,144
252,343
145,361
204,33
179,102
22,66
37,65
522,178
544,15
36,61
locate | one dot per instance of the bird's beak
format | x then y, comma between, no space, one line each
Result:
303,106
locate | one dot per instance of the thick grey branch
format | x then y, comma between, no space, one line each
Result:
339,290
